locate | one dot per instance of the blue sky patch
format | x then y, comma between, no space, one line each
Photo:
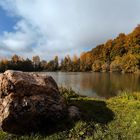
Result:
7,22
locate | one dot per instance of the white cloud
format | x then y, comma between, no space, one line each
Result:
20,41
52,27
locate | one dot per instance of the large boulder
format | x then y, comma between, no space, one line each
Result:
28,102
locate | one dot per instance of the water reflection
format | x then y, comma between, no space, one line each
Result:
97,84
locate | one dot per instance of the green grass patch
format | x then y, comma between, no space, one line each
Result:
117,118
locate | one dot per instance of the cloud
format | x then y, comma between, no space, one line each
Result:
52,27
20,41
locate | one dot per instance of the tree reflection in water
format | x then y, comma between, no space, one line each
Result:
99,85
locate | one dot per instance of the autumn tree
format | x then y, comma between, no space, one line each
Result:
56,63
105,67
75,63
86,61
43,65
4,65
130,63
36,62
66,64
97,66
15,58
116,65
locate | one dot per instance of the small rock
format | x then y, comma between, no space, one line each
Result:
74,112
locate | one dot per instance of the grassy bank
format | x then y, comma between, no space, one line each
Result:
117,118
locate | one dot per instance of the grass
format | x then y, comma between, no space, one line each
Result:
117,118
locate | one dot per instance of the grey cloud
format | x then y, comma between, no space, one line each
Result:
62,27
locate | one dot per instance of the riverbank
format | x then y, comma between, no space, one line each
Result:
116,118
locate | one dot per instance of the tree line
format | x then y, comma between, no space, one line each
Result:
121,54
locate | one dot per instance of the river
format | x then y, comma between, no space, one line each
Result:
98,85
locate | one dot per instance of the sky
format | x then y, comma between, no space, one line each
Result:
60,27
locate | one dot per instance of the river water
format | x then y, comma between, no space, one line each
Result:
99,85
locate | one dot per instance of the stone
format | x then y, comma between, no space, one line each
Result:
29,102
74,112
